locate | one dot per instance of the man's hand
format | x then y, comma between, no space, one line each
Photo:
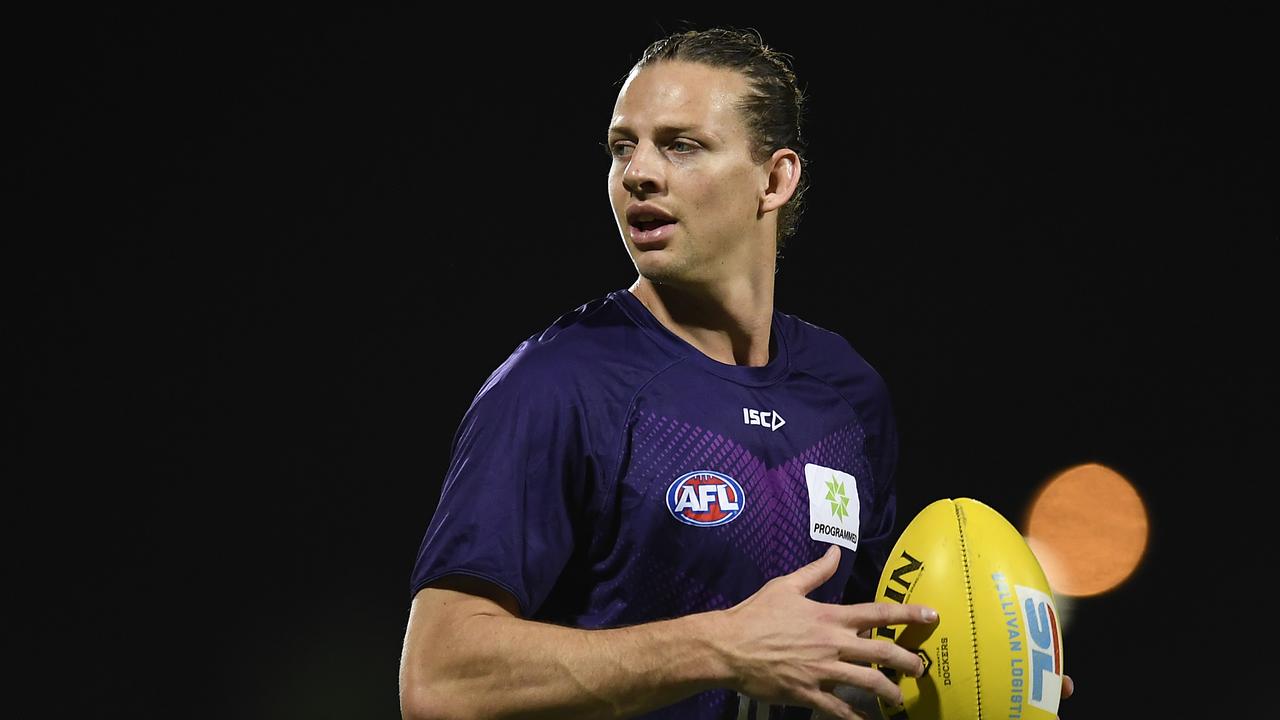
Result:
1068,687
789,650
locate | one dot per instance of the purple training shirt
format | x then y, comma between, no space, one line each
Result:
609,473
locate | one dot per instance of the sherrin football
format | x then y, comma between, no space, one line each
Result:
996,650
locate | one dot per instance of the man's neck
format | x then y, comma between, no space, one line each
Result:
730,323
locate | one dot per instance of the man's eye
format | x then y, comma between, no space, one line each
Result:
619,149
679,144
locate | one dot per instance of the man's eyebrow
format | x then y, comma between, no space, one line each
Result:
661,130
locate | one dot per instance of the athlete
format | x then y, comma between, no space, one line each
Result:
674,502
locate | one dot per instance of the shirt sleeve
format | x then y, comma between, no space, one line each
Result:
512,494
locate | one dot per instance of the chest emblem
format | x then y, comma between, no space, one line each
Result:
705,498
833,506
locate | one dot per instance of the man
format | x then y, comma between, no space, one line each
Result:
662,505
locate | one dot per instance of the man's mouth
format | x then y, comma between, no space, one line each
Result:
647,225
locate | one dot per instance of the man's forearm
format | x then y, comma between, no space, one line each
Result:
500,666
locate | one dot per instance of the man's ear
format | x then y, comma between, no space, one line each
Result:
784,176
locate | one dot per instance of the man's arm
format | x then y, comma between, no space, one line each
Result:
468,654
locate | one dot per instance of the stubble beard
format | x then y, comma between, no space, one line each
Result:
669,270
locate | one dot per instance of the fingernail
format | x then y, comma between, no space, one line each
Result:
930,614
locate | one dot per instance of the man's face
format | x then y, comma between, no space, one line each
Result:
679,144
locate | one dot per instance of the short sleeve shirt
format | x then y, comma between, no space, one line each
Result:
609,473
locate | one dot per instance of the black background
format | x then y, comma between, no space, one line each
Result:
261,264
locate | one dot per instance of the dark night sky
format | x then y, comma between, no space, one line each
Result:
264,262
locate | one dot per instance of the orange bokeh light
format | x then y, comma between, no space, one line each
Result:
1088,529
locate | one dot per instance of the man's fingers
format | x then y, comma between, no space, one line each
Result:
809,577
868,679
1068,687
879,652
880,614
830,706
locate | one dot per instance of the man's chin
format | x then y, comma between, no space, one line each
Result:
658,270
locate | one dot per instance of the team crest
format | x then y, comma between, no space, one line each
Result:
705,498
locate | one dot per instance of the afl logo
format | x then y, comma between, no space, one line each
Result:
705,498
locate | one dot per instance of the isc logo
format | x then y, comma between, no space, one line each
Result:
1041,622
764,418
705,498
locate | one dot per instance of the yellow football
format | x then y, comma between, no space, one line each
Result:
996,650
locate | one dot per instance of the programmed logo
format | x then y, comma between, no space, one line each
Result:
705,498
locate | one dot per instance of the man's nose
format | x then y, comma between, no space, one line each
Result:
644,170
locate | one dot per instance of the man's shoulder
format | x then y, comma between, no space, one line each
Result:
580,336
826,353
590,343
810,341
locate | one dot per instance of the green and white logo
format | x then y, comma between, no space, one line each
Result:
835,494
833,505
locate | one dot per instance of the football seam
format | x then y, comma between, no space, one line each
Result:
968,591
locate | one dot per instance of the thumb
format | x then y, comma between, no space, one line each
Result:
810,576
